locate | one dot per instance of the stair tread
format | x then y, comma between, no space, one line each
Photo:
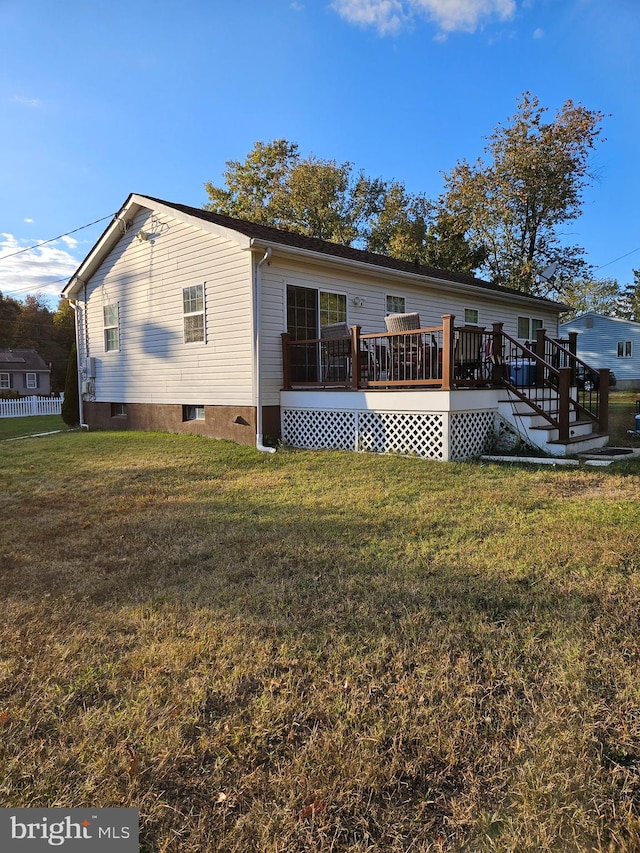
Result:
576,439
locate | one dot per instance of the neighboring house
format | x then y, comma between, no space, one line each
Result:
24,372
180,317
608,342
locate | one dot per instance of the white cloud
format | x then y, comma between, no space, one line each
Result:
28,220
538,33
391,16
27,102
42,270
71,242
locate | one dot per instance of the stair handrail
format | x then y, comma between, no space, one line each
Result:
521,353
593,403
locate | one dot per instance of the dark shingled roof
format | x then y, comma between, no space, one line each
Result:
335,250
22,359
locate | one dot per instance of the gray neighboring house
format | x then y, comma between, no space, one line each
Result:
24,371
608,342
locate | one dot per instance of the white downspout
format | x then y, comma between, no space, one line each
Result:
74,305
258,379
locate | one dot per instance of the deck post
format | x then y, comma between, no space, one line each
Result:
497,370
573,349
563,403
286,373
603,411
355,357
541,338
447,351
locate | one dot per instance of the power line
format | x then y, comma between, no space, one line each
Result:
633,251
59,237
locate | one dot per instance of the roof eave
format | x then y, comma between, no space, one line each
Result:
260,244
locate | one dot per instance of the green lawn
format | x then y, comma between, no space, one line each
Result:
320,651
18,427
622,409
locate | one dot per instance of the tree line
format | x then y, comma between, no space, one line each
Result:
32,325
500,217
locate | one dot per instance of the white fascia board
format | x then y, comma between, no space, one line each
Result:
104,245
402,275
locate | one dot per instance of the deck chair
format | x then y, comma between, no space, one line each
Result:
467,356
404,350
336,351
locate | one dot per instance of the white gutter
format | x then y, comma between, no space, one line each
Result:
74,305
258,379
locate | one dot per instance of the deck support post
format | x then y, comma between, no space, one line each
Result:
447,351
355,357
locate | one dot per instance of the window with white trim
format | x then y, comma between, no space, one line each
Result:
5,381
193,313
30,380
471,316
111,328
625,349
528,326
395,305
333,308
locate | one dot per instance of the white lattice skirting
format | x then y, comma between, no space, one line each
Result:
433,435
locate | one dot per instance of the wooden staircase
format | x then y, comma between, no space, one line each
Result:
538,431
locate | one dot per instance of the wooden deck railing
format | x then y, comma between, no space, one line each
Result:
448,357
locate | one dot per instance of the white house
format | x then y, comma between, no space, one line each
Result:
190,321
608,342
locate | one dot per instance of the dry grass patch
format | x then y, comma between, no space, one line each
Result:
320,651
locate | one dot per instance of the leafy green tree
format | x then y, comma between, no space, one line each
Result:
10,310
513,205
630,301
71,402
602,296
255,188
275,186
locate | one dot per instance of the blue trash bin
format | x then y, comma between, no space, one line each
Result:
523,373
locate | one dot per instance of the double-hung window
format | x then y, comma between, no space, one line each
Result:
395,305
111,328
528,326
30,381
625,349
193,313
5,381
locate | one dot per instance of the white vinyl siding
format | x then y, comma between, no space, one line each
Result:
146,279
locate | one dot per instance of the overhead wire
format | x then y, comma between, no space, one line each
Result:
59,237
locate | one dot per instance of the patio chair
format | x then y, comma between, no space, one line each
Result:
336,351
404,350
467,356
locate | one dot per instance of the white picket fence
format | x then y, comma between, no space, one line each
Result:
26,406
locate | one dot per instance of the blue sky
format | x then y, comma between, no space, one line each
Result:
103,99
